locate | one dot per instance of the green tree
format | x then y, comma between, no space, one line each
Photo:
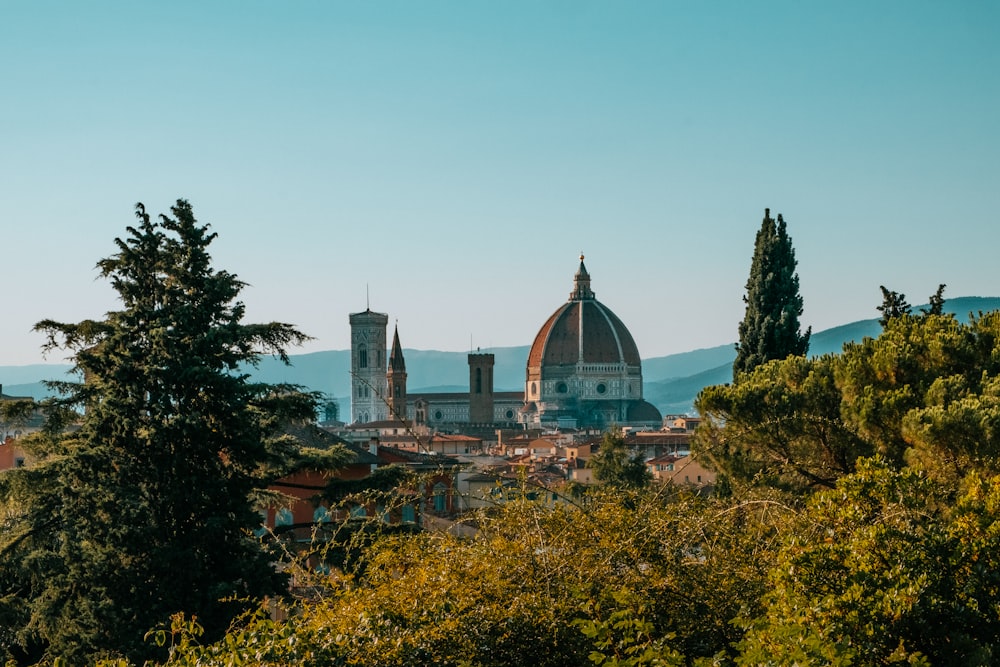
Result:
884,570
615,463
145,510
894,305
780,426
936,302
770,327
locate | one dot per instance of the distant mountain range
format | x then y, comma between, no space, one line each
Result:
671,382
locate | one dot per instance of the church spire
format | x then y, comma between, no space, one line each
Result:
396,379
581,284
396,361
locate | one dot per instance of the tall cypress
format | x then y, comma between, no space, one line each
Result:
770,328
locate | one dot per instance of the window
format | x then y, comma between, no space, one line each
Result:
479,380
358,512
321,515
601,387
409,516
440,497
362,356
562,388
283,517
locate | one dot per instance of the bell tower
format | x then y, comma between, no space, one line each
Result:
396,380
368,363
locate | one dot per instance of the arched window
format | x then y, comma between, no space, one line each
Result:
362,356
479,380
321,515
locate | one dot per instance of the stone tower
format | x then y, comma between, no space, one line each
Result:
368,367
396,380
481,388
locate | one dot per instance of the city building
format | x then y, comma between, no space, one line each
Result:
583,371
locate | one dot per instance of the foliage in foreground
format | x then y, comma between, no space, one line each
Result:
646,582
145,510
880,570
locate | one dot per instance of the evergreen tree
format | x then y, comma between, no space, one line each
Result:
146,510
894,304
617,465
936,302
770,327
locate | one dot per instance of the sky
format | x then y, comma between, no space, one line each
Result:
446,162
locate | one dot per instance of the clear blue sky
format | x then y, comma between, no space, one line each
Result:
454,158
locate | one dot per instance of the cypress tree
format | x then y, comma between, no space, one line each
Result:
770,327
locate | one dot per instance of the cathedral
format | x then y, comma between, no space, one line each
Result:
583,371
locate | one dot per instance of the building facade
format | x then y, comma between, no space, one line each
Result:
368,367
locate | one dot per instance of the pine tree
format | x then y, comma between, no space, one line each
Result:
935,302
617,465
770,327
145,510
894,304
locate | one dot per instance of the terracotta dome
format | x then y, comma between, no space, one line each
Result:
584,368
583,330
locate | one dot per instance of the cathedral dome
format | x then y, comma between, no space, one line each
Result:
584,368
583,330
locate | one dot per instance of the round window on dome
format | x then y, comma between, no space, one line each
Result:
509,414
601,388
437,414
562,388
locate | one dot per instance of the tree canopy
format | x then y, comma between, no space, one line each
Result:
770,327
144,510
615,463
